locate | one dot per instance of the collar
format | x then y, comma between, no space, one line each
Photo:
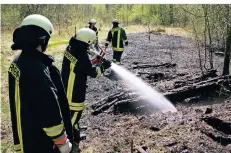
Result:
35,54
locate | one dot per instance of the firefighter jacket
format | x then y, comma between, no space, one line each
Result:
40,113
75,69
94,29
117,36
95,43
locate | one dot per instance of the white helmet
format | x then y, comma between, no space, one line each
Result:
92,21
40,21
86,35
115,21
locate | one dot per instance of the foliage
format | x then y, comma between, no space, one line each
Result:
208,23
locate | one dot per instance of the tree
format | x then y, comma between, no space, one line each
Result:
171,22
227,53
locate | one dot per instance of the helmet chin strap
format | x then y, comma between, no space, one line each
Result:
39,48
43,46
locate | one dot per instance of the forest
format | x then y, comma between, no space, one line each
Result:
182,51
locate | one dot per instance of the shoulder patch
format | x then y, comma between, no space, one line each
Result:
15,71
70,57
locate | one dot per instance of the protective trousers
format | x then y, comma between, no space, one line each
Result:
117,56
75,117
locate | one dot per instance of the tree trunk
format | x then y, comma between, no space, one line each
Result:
227,53
171,14
198,47
127,6
210,42
205,35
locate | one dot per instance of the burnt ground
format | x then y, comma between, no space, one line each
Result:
201,127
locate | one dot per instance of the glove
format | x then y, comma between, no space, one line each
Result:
90,52
126,43
106,64
65,147
98,57
106,44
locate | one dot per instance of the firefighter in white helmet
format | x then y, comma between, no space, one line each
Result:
117,37
92,26
39,108
75,69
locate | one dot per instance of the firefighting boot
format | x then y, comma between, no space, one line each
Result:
83,136
83,128
75,148
79,136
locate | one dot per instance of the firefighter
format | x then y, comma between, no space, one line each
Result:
75,69
117,36
39,108
92,26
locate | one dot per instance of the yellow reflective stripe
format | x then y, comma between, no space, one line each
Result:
117,49
126,40
118,39
77,104
15,71
76,126
76,108
71,81
99,72
17,147
70,57
18,113
74,118
117,63
114,30
18,151
54,130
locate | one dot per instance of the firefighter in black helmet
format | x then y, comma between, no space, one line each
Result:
117,36
39,108
75,69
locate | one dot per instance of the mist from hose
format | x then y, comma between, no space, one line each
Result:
149,94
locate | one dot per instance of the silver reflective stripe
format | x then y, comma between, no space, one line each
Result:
54,131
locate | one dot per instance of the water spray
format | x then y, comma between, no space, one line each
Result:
149,94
